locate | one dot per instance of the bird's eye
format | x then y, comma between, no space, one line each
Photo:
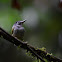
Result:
16,22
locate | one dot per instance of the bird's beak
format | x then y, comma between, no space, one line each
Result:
23,21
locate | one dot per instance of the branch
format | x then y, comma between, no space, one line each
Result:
35,52
18,43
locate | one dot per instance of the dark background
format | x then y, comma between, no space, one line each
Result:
43,27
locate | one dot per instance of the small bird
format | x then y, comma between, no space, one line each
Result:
18,30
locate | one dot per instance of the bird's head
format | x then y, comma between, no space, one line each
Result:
20,22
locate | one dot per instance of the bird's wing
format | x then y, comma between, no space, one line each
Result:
12,29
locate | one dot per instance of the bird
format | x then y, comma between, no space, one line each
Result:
18,30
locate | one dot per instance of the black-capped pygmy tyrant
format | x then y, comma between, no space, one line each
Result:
18,30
